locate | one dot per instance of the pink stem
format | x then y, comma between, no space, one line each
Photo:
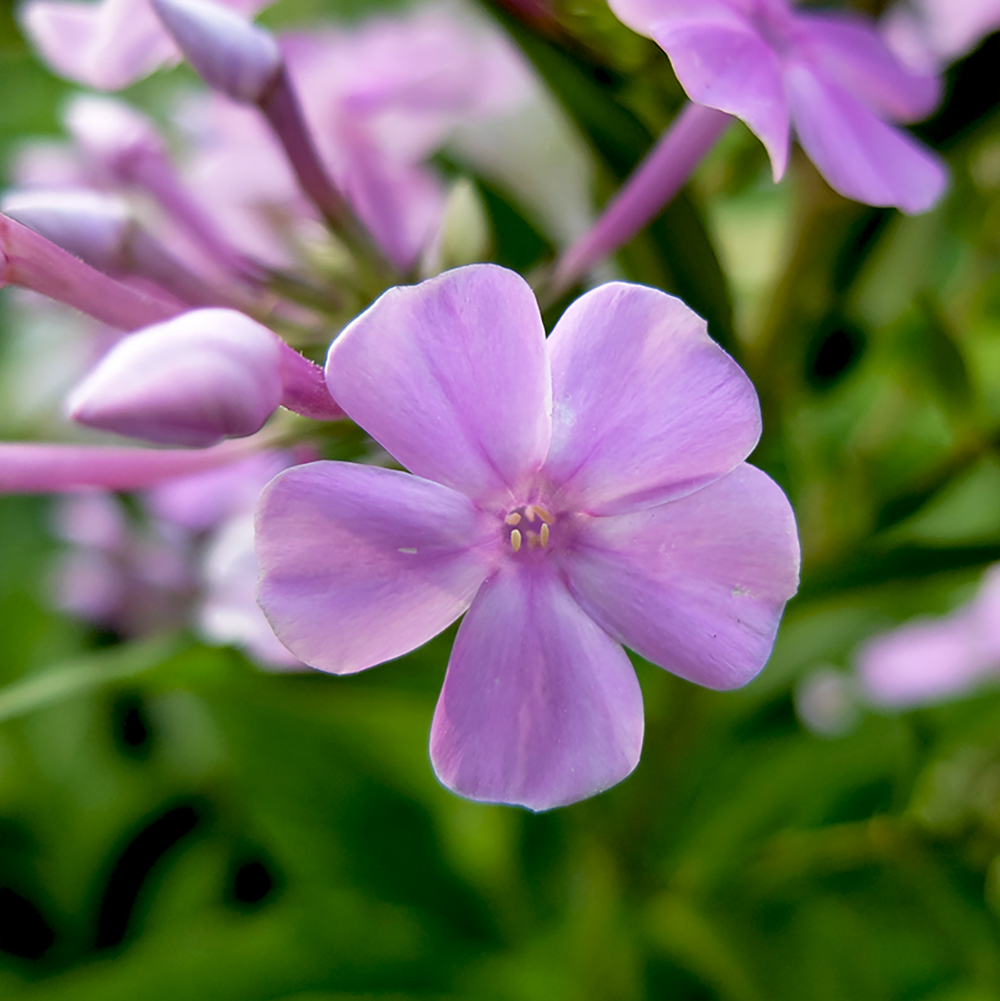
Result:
656,180
31,261
28,468
305,387
283,111
153,172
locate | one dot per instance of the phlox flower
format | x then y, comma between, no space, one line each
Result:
828,75
568,494
929,34
107,45
380,99
929,660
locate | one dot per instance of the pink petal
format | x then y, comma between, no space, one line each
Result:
922,662
360,565
696,585
850,51
725,64
646,406
540,707
452,377
401,204
107,45
858,154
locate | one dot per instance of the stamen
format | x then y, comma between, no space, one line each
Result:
544,534
515,540
529,513
513,518
546,516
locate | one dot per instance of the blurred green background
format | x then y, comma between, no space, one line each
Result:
175,823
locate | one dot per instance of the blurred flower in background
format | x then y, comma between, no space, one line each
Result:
930,34
929,660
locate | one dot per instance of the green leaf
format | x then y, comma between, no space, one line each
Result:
85,674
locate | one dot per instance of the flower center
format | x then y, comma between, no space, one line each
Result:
528,527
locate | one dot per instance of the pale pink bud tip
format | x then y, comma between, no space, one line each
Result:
89,224
203,376
230,53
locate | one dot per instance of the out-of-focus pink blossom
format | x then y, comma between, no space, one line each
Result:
185,555
827,75
380,99
931,660
229,612
107,45
930,34
118,575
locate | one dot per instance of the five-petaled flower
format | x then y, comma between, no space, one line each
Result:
568,494
828,74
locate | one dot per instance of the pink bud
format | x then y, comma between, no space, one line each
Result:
229,52
89,224
205,375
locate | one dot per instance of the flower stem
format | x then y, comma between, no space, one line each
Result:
283,111
155,174
650,187
31,261
305,389
28,468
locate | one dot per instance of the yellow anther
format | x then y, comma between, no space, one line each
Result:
544,534
546,516
513,518
515,540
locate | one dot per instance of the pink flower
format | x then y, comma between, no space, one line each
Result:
380,99
569,494
929,660
107,45
929,34
827,75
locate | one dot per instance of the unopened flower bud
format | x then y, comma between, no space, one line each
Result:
230,53
91,225
206,375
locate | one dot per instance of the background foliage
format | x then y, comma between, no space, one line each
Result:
176,824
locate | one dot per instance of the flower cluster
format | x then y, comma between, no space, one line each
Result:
570,495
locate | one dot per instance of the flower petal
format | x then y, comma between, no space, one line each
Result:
540,707
452,377
360,565
859,155
696,585
920,663
722,62
106,45
850,51
646,406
